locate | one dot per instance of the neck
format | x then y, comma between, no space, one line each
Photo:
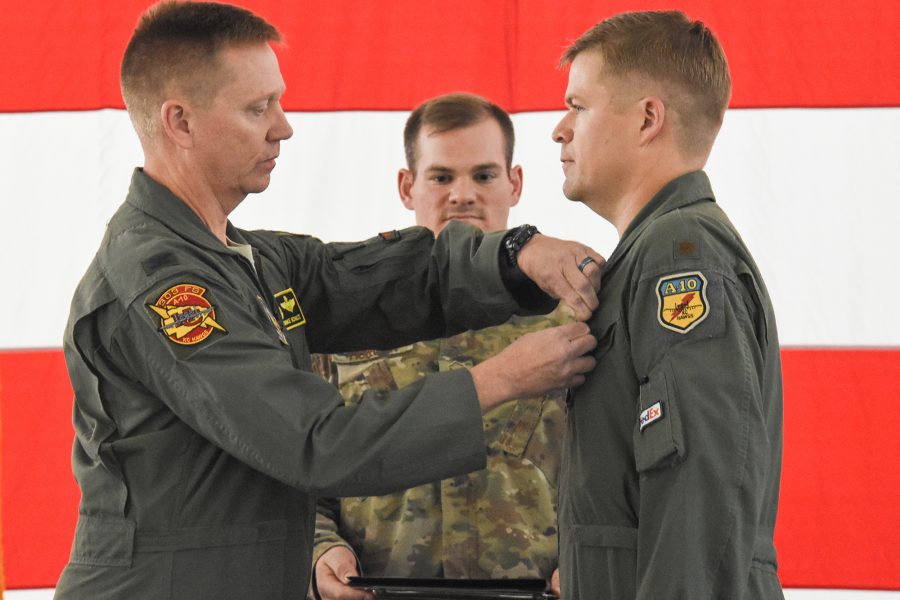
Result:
194,190
620,209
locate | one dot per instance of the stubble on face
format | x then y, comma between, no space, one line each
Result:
594,134
235,131
461,175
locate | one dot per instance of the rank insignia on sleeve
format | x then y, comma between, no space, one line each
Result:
682,301
185,316
291,314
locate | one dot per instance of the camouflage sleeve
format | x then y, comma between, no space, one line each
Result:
328,512
327,537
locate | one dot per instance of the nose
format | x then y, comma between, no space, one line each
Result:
280,129
463,192
562,133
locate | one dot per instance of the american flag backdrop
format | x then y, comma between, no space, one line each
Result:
807,165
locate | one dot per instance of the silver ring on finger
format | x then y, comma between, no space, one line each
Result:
584,263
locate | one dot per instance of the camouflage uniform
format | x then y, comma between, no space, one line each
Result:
498,522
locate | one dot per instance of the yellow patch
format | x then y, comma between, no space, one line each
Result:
291,313
682,301
185,316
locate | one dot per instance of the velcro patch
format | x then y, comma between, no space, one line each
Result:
682,301
185,316
291,314
651,415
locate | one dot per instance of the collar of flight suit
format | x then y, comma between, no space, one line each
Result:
151,197
682,191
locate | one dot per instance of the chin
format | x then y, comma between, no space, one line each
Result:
571,192
258,186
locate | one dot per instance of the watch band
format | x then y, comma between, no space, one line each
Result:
515,239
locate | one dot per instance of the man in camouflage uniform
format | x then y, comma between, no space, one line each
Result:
498,522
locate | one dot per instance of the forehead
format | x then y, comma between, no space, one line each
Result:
251,70
476,144
586,73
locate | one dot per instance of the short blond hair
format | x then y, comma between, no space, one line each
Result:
682,55
178,44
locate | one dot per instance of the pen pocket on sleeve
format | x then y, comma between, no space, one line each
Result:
658,435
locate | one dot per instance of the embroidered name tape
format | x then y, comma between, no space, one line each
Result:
651,415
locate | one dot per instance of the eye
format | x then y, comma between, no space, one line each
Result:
577,108
441,179
485,176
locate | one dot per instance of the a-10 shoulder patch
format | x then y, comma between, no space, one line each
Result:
682,301
185,316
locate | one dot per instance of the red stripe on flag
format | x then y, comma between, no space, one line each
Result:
40,497
372,55
838,525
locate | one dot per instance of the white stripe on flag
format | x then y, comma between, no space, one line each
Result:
814,192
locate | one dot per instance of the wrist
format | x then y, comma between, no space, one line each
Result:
514,240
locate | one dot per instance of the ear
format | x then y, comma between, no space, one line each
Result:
405,180
654,114
515,176
176,123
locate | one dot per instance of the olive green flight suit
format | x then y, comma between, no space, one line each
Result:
202,439
672,458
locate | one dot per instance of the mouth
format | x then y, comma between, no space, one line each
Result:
463,217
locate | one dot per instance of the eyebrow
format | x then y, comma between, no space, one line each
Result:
274,95
443,169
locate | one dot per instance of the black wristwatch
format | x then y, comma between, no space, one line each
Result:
515,239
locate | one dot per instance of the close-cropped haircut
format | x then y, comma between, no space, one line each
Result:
178,43
455,111
669,48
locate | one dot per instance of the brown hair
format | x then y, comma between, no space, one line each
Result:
669,48
455,111
178,43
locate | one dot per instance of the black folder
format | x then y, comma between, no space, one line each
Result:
399,588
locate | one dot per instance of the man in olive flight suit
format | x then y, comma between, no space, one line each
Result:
497,522
672,458
201,436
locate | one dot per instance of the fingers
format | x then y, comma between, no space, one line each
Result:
554,584
333,571
581,269
553,264
594,268
578,362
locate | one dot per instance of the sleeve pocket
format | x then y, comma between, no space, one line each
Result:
658,436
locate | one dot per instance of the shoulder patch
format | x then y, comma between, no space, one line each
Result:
682,301
289,308
185,316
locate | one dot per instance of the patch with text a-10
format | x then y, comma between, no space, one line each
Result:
289,308
185,316
682,301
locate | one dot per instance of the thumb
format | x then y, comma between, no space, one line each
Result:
345,571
